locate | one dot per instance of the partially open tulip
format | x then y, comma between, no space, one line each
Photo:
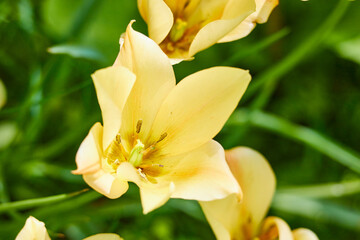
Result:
233,220
36,230
184,27
158,134
33,230
104,236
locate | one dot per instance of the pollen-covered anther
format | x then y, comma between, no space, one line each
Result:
162,137
138,126
118,139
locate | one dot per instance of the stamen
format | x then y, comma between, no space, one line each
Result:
151,165
141,173
162,137
148,150
138,126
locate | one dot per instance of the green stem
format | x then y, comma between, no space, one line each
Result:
256,47
26,204
308,136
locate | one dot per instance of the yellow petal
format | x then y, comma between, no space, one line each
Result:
106,184
278,227
263,11
223,217
203,12
154,80
201,174
104,236
257,180
158,17
214,31
304,234
127,172
230,219
89,154
197,108
113,86
153,197
33,229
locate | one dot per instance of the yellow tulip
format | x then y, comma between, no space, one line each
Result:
156,134
183,28
104,236
33,230
36,230
233,220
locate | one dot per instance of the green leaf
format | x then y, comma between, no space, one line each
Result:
350,49
77,51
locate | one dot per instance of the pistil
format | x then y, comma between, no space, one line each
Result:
136,154
178,30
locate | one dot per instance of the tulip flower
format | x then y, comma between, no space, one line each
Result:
234,220
158,134
33,230
36,230
185,27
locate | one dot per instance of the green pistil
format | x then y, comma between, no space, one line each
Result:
136,154
178,30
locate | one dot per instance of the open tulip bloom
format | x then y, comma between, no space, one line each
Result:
36,230
158,134
234,220
184,27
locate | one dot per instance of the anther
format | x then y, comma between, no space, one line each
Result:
138,126
162,137
118,139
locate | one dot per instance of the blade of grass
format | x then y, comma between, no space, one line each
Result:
31,203
269,79
257,47
327,190
310,137
317,210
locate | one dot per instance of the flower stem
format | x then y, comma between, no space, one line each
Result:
30,203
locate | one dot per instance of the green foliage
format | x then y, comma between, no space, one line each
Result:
305,63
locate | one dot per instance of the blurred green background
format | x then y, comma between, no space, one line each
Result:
302,111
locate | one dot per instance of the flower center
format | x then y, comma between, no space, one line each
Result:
115,154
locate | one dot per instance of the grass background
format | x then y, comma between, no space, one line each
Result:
302,111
